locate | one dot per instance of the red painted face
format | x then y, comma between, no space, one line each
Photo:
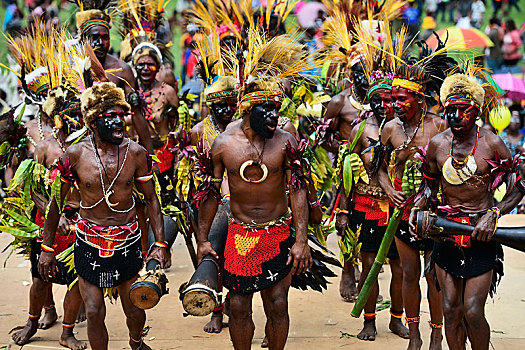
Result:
406,104
461,118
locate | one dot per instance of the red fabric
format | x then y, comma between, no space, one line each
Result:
61,242
118,235
165,155
370,207
259,246
461,240
398,187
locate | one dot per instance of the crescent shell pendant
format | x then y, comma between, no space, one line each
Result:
253,163
458,176
108,194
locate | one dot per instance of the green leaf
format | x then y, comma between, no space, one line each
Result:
4,148
17,232
21,114
347,175
155,158
21,219
358,135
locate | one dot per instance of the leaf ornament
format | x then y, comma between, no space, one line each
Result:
350,246
204,170
504,171
298,165
65,169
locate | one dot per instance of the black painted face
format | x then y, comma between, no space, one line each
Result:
110,126
264,118
381,104
223,111
98,37
461,118
359,79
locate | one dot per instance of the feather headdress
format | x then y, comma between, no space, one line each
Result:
266,62
470,85
225,18
47,59
92,12
140,23
216,72
424,75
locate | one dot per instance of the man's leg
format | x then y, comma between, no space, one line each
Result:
369,326
396,295
452,291
135,317
411,265
37,297
96,313
476,291
240,322
347,287
436,310
50,312
72,302
275,300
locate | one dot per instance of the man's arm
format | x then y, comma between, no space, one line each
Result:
208,207
139,122
300,252
332,112
144,182
430,167
488,223
47,261
397,197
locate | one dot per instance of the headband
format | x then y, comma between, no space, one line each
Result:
408,84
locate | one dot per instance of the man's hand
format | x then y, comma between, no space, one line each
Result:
160,254
397,197
412,222
63,226
341,222
47,265
485,227
203,249
301,258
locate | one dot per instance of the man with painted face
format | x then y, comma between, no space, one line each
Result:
221,99
107,251
413,127
342,110
367,207
62,108
161,107
457,162
260,253
93,28
346,106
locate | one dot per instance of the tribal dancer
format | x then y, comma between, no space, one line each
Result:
253,155
467,268
107,249
368,210
140,22
93,25
221,100
341,112
61,106
412,89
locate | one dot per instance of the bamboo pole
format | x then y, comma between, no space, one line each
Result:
378,262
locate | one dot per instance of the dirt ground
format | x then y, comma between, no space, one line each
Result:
317,320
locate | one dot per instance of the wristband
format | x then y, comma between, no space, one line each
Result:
314,204
47,248
161,244
496,211
338,211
